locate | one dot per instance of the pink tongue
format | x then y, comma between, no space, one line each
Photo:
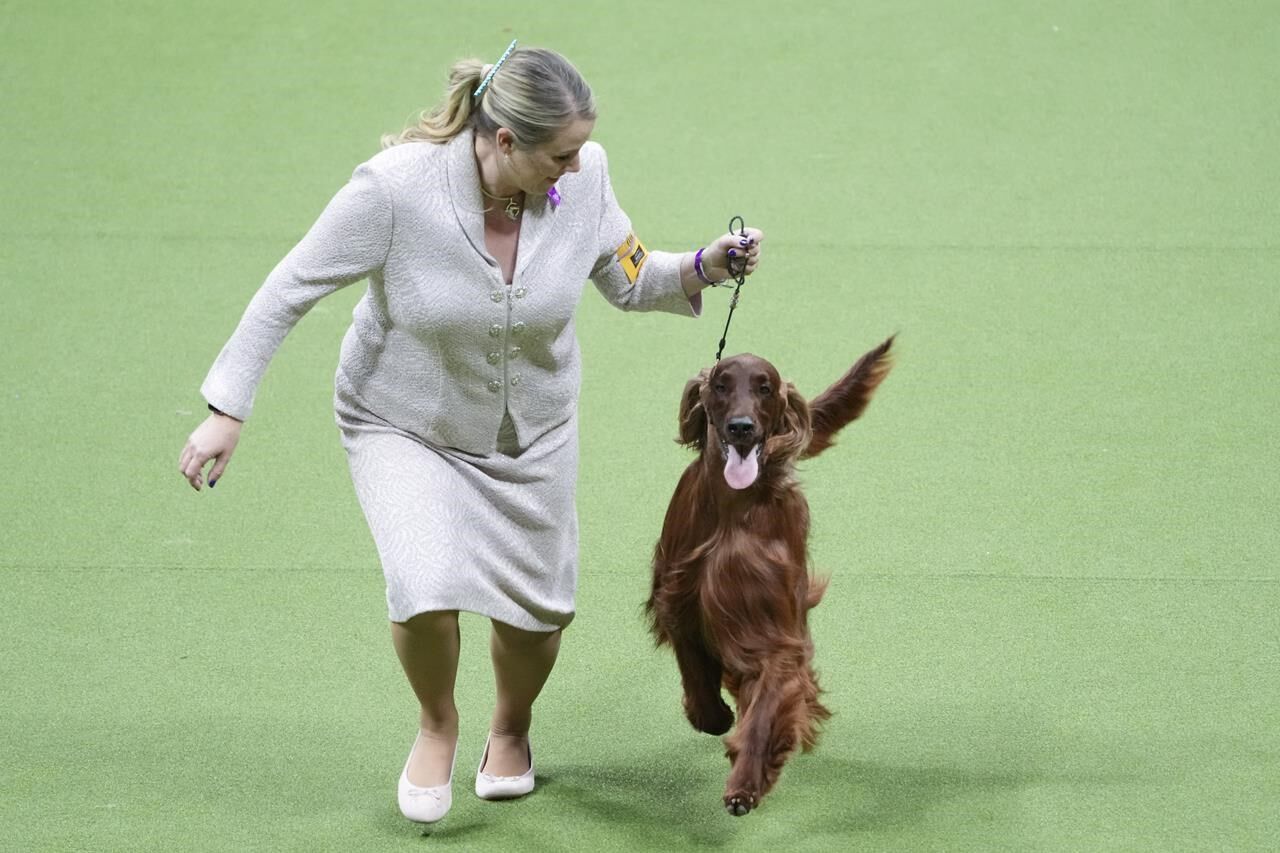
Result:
739,472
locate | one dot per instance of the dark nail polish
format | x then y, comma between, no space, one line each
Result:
732,253
213,483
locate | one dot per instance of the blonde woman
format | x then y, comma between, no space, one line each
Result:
457,385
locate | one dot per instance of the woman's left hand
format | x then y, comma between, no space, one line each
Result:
732,247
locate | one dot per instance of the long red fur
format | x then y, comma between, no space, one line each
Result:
731,581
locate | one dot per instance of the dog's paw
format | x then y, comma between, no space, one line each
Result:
714,720
739,803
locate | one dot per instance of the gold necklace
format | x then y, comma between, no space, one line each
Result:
512,209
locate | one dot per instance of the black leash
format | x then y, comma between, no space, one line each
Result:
738,272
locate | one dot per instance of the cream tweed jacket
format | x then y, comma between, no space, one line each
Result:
440,347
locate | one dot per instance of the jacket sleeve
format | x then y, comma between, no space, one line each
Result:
629,275
347,243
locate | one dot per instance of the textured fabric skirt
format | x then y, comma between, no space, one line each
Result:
495,535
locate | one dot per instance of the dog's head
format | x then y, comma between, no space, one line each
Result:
741,411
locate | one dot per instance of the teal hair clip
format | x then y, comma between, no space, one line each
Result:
484,84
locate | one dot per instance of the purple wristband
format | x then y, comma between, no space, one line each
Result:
697,268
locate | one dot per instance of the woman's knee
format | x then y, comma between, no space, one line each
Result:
435,623
515,638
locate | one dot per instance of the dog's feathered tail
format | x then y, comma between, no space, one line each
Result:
846,399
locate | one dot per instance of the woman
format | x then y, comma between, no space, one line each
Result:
457,386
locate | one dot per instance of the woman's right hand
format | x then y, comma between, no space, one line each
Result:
214,439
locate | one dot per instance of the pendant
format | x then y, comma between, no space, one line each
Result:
513,210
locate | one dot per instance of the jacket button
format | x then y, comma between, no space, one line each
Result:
494,357
517,328
495,386
495,331
496,296
520,292
515,352
515,380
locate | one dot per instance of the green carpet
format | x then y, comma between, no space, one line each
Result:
1054,541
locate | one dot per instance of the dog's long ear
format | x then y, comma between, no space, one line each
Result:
693,416
793,433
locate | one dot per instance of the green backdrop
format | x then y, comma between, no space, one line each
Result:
1053,620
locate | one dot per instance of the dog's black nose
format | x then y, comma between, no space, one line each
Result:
741,427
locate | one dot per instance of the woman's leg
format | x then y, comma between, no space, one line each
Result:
522,660
427,645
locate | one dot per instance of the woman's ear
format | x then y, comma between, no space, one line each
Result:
795,430
693,415
505,140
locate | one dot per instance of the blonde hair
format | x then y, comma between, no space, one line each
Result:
536,93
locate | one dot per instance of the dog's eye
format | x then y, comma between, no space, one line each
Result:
719,387
766,390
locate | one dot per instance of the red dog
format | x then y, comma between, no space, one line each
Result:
731,583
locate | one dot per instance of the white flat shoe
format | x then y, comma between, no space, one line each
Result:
424,805
489,787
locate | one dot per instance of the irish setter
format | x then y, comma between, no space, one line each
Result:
731,582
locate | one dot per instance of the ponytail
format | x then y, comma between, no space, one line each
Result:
452,115
535,93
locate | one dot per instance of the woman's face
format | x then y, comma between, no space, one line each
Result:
535,170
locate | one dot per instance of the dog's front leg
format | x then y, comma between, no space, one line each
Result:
745,749
700,674
771,704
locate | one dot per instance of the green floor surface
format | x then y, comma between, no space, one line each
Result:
1054,541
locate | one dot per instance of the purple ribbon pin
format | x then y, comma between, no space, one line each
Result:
554,196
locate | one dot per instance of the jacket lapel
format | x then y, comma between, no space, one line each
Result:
464,191
538,218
